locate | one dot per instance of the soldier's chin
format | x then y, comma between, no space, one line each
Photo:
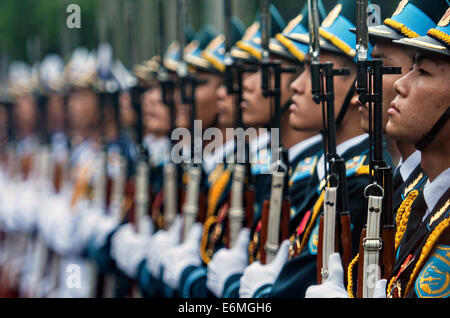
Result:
182,123
224,122
364,124
295,122
393,130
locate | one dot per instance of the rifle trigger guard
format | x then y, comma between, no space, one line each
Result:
377,186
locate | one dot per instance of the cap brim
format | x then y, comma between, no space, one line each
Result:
275,47
425,43
304,38
382,31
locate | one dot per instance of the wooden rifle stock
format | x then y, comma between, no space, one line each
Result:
264,229
359,290
388,251
320,250
58,173
346,242
285,217
249,195
202,200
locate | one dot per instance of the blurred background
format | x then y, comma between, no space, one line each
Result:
31,29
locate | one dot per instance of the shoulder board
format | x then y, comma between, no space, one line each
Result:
304,169
321,185
355,166
261,163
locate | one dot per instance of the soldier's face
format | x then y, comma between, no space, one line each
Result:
3,124
128,116
156,113
422,97
25,114
225,107
305,114
206,98
392,55
256,109
206,101
83,109
55,112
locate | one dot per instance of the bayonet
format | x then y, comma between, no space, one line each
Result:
314,48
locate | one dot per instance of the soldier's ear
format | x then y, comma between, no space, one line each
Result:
354,100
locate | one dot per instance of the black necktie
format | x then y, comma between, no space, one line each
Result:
398,180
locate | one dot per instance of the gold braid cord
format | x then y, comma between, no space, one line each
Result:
203,246
214,194
350,276
435,33
400,27
216,191
402,217
81,184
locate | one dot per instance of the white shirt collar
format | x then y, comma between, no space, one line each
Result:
299,148
433,191
159,150
407,166
148,140
341,149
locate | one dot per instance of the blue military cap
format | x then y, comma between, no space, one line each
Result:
193,51
238,53
214,53
252,38
437,39
411,19
298,27
172,55
335,30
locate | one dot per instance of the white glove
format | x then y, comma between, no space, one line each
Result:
160,242
257,275
27,203
227,262
380,289
128,248
333,286
104,225
179,257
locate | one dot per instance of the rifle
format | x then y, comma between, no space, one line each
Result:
379,191
171,170
188,83
276,215
233,73
336,217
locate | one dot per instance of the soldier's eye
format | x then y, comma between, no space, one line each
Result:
422,72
